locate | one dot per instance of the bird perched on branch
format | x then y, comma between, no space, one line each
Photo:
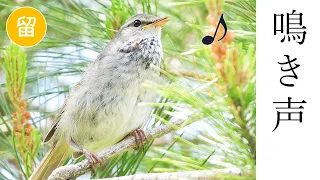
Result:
103,107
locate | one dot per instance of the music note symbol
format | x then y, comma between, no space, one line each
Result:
209,39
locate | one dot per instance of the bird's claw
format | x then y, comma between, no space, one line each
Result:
140,137
93,159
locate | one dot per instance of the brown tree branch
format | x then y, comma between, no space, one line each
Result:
74,170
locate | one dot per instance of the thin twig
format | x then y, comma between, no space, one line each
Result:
74,170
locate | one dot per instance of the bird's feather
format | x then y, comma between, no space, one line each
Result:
59,152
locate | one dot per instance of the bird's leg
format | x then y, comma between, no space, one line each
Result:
140,137
91,157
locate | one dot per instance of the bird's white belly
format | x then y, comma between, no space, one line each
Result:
127,117
98,118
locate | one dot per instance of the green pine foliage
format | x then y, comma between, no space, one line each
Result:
217,96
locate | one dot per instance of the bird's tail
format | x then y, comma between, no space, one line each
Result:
55,157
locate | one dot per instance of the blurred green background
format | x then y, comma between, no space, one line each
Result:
212,85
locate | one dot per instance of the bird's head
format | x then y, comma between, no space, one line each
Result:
142,26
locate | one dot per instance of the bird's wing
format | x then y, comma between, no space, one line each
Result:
54,125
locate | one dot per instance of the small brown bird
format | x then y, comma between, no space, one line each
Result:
104,106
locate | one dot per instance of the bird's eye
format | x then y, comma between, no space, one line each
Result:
136,23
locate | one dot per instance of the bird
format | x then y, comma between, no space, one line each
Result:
103,107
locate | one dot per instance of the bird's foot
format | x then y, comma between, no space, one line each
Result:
140,138
93,159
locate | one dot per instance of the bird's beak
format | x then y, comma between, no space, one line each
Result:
158,22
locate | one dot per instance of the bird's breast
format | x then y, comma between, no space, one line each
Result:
103,115
145,51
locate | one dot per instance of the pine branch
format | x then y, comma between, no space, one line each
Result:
203,175
74,170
